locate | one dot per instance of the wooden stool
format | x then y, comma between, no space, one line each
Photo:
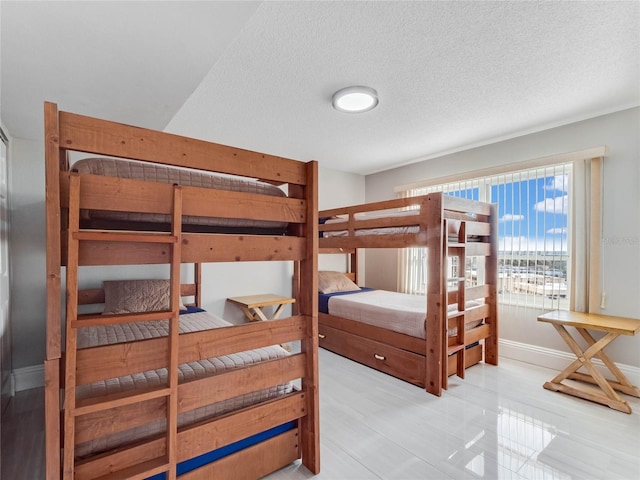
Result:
582,322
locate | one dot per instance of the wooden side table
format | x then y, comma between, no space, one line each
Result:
253,305
583,322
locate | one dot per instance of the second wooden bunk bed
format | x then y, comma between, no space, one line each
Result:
70,419
449,227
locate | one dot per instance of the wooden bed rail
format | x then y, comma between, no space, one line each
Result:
148,197
86,134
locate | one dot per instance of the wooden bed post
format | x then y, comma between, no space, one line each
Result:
491,279
308,305
197,274
53,264
436,307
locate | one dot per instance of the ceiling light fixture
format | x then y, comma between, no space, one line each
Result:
355,99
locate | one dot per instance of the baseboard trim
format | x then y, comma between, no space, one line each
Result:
28,377
558,360
33,377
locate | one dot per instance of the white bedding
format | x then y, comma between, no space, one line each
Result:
151,172
103,335
395,311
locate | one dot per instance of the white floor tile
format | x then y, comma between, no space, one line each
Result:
498,423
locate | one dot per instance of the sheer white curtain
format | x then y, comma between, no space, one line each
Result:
586,226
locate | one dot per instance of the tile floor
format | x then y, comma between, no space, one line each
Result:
498,423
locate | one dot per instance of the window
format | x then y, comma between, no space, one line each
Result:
537,265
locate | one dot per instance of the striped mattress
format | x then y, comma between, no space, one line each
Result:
193,322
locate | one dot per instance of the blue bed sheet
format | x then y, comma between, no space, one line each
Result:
323,298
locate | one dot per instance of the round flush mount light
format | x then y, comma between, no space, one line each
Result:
355,99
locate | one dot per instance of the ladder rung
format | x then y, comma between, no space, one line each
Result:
457,245
106,402
140,471
455,314
92,320
454,349
125,236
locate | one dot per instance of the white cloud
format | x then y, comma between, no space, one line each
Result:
557,231
510,217
558,205
524,244
558,182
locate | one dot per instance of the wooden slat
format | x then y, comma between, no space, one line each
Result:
91,320
253,462
240,381
193,394
71,333
52,417
478,249
133,237
464,205
478,292
53,222
435,375
127,195
374,241
107,422
238,338
236,426
140,471
174,331
476,334
384,222
450,205
111,462
476,313
86,134
109,361
106,402
399,340
196,248
491,279
200,439
481,229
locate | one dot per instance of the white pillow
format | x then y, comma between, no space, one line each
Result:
332,282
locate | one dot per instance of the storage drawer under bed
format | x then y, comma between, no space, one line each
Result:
394,361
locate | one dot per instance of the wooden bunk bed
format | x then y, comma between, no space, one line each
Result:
449,227
248,442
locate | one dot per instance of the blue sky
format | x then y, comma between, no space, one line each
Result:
533,213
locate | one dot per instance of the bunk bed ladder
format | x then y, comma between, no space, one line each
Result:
72,408
456,248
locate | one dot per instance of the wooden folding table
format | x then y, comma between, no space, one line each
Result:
252,305
613,328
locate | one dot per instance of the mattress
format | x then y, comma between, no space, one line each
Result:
399,312
151,172
192,322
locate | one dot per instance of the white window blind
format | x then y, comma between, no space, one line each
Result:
534,236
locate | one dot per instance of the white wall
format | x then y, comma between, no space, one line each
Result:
339,189
620,132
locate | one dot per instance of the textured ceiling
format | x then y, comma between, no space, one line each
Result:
450,75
